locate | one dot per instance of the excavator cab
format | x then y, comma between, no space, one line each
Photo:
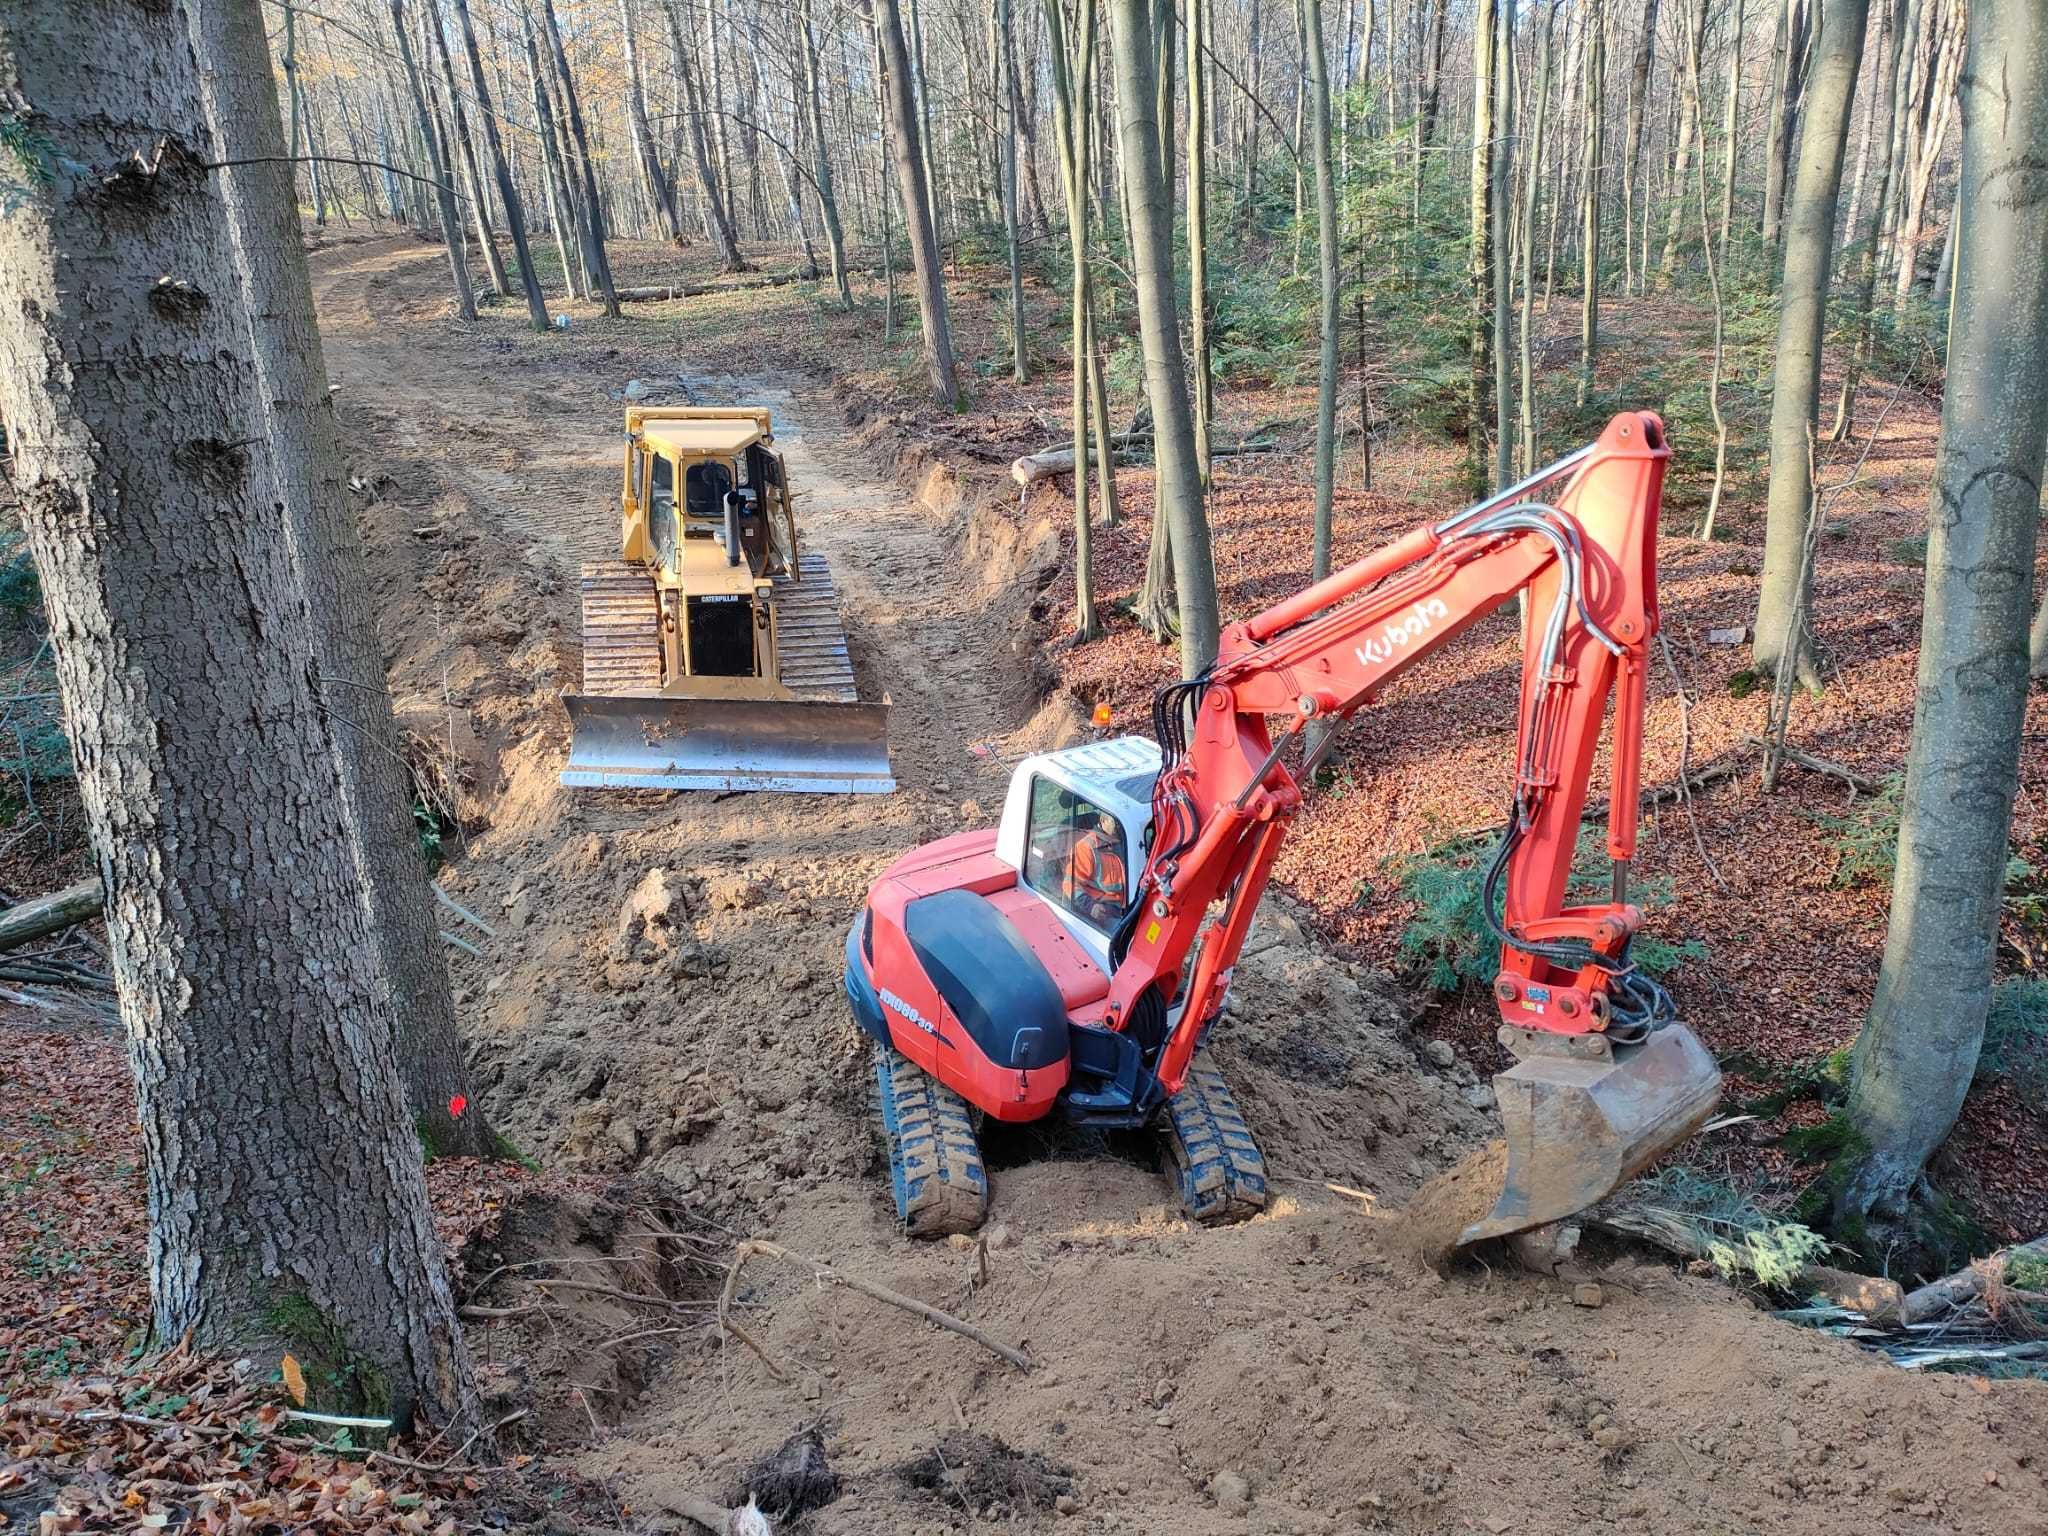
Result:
713,656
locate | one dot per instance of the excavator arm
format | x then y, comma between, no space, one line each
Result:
1612,1081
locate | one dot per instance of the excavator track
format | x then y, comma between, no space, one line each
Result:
935,1170
1210,1155
621,628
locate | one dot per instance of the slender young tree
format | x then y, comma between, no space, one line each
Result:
1888,41
1020,366
452,232
914,189
821,159
1783,630
1479,271
286,1201
659,191
1914,1060
1593,69
508,194
1198,234
1501,200
1072,70
1178,479
592,230
1326,272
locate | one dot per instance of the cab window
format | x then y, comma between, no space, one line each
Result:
1074,855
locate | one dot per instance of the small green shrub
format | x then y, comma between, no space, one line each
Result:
2016,1038
1740,1238
431,826
1448,940
1742,684
1866,840
1908,551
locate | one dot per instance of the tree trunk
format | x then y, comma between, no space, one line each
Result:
1006,92
828,204
1503,218
1178,478
1632,146
326,549
2037,642
458,125
561,197
659,192
1589,295
936,335
1198,236
1914,1060
1326,272
1479,265
1731,115
1795,24
508,195
718,226
444,186
287,1210
1071,69
1888,47
593,229
1688,121
1783,628
1532,190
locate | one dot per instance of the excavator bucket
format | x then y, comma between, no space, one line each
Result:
1582,1116
650,742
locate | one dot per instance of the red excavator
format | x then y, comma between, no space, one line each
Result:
1017,971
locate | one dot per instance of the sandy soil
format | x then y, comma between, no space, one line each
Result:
663,997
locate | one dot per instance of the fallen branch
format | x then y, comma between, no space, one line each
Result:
1047,462
825,1274
659,293
1964,1286
51,913
747,1520
1861,782
461,911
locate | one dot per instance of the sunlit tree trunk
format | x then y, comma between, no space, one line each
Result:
593,231
1071,71
1632,145
240,101
1178,478
287,1210
444,188
1198,234
1589,175
647,152
1783,626
1914,1060
1503,217
1479,267
1326,272
1532,187
914,189
508,195
1888,45
821,160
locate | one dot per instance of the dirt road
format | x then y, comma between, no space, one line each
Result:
663,997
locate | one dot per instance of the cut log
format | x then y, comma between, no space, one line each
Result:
1964,1286
51,914
1033,467
662,292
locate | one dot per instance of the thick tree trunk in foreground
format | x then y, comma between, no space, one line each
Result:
1178,480
1918,1050
936,334
1782,624
287,1210
241,103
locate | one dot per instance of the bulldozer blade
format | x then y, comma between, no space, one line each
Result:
1583,1116
803,746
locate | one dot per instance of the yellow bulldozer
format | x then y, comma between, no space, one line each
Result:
713,654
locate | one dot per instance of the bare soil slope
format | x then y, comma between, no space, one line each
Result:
663,996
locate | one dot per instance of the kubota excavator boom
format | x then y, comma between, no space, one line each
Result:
1605,1078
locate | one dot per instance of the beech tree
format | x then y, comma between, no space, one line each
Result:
1782,628
287,1207
1178,478
914,188
240,100
1914,1060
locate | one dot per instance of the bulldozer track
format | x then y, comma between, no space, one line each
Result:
810,637
1211,1156
935,1169
621,628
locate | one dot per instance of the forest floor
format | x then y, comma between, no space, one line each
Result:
658,1022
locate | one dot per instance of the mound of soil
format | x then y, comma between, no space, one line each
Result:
986,1478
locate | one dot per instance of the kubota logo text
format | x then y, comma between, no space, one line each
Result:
1421,618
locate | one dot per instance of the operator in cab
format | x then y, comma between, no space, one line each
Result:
1098,886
